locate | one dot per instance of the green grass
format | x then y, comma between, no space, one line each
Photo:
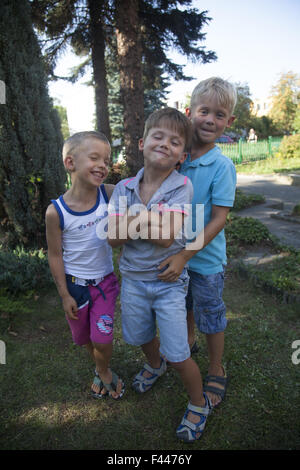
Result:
45,383
270,165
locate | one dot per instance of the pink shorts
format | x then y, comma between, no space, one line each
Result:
96,318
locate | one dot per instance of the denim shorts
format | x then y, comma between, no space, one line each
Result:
150,304
205,298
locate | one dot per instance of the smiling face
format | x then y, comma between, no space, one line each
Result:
163,148
89,162
209,120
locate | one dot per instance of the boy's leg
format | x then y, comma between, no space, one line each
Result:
192,381
191,327
194,420
101,330
102,354
215,347
210,319
151,351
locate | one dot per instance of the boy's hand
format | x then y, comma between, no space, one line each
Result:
175,267
70,307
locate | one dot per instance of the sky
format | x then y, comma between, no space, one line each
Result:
255,42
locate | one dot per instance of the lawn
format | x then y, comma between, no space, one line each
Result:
45,400
270,165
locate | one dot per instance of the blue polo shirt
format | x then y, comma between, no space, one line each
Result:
214,181
140,258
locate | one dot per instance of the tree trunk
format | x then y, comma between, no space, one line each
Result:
130,65
99,69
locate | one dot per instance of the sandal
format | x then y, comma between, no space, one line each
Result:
112,386
97,381
221,392
142,384
187,431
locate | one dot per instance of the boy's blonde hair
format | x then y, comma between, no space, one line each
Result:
224,91
172,119
73,142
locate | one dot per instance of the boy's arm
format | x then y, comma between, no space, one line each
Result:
177,262
55,259
159,229
155,227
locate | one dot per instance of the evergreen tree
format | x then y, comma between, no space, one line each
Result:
31,169
154,27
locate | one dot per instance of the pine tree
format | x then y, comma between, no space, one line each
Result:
31,169
154,27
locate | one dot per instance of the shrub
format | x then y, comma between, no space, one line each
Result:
246,231
24,272
296,209
246,200
289,147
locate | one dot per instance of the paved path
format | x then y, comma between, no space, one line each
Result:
279,196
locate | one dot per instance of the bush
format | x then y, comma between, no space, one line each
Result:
289,147
296,209
246,231
24,272
246,200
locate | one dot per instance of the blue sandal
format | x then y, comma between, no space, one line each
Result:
142,384
187,431
112,387
97,381
109,387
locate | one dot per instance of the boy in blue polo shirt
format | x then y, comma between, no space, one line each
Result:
158,194
214,181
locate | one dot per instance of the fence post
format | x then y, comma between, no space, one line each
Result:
240,157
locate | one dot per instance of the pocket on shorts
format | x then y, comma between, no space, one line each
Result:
80,293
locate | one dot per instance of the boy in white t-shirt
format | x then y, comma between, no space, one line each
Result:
80,261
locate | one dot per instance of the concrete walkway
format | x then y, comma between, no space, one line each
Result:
281,195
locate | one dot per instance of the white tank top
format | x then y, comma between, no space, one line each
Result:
85,255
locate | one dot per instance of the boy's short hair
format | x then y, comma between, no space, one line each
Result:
223,90
173,119
73,142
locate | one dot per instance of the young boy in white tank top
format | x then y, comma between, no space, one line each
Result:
80,261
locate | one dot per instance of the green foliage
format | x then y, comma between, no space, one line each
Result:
24,272
289,147
296,210
242,108
246,230
243,200
296,123
285,97
31,169
283,273
62,113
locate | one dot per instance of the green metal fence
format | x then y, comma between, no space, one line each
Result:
242,151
